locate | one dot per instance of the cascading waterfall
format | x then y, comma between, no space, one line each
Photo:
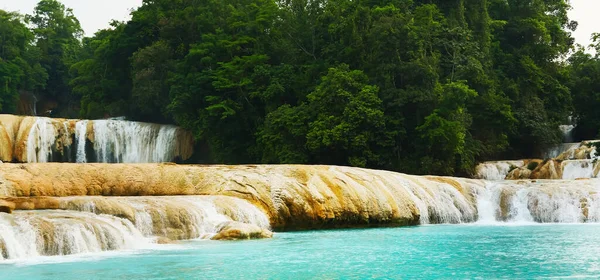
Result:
496,171
132,142
440,203
548,202
40,141
278,195
46,233
106,141
187,217
575,169
567,131
34,105
559,149
98,224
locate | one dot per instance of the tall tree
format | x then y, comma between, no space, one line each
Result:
20,69
57,32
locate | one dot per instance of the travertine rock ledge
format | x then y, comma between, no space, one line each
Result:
292,196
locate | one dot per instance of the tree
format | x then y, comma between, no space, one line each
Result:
348,126
585,88
20,69
418,86
57,33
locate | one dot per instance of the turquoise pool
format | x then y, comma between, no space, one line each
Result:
425,252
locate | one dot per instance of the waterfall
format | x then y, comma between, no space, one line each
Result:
575,169
567,131
440,203
43,139
95,224
286,197
496,171
80,138
133,142
46,233
548,202
40,141
186,217
559,149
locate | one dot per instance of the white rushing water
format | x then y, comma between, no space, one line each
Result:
496,170
575,169
80,138
40,141
185,217
114,141
559,149
27,234
567,131
548,202
93,226
133,142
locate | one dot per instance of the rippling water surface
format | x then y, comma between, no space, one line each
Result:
427,252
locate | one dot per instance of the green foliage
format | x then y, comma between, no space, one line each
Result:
584,83
425,87
445,133
57,33
20,69
348,124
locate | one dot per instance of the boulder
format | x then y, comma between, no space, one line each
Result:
239,231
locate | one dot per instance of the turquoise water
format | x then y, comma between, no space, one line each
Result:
426,252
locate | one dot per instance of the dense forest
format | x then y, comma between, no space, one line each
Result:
418,86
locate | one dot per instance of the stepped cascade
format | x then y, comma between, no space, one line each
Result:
576,161
565,161
38,139
69,208
104,199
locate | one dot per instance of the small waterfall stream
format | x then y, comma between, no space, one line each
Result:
80,137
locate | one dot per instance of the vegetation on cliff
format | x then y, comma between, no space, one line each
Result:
424,87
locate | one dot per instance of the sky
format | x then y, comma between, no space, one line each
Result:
92,14
96,14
